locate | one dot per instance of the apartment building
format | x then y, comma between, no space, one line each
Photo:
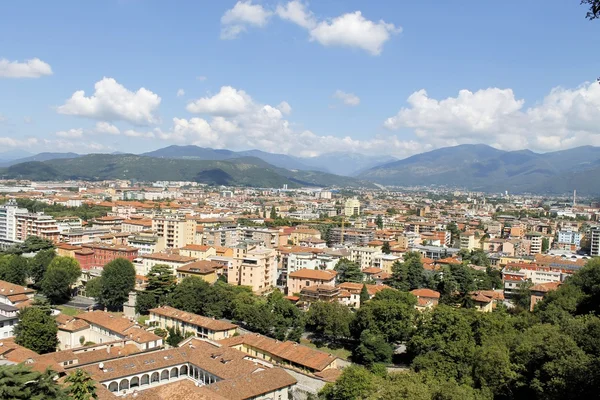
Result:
595,241
174,261
307,277
146,243
36,224
514,274
352,236
198,251
15,295
255,268
8,222
136,225
9,318
301,234
352,207
469,241
201,327
363,256
569,238
535,242
97,255
204,269
173,228
224,236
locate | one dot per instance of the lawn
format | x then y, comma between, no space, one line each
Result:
142,319
69,310
341,352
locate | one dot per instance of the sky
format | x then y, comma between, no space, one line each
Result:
377,77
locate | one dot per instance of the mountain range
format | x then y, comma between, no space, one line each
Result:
472,167
484,168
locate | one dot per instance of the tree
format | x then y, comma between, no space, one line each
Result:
545,244
13,269
379,221
39,264
118,279
144,302
60,275
354,383
161,282
175,336
364,295
81,386
20,382
372,349
385,248
329,320
594,9
93,288
190,295
522,296
273,214
454,233
409,274
36,330
348,271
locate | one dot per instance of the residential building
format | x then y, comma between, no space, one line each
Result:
352,207
173,229
204,269
146,243
97,255
136,225
15,295
8,222
535,242
198,251
174,261
9,317
255,268
363,256
284,353
202,327
469,241
328,293
36,224
426,298
307,277
301,234
539,291
356,288
595,241
569,237
352,236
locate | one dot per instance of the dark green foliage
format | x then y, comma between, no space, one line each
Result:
385,248
117,280
190,295
594,9
355,383
144,302
13,269
348,271
85,212
409,274
364,295
39,264
36,329
379,222
161,283
60,275
329,320
372,349
93,288
176,336
20,382
454,232
81,386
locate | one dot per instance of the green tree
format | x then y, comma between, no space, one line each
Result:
118,279
144,302
13,269
273,214
81,386
348,271
176,336
364,295
379,221
409,274
588,281
522,296
594,9
93,288
60,276
385,248
190,295
36,330
545,244
454,233
161,282
354,383
329,320
39,264
20,382
372,349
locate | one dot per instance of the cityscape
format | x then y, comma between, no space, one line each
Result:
451,253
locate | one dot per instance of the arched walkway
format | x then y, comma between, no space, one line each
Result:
164,375
113,387
134,382
155,377
184,370
124,385
174,372
145,379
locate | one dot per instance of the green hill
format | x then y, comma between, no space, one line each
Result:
245,171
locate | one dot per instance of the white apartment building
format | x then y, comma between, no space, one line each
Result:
8,222
8,319
363,256
535,242
595,241
569,237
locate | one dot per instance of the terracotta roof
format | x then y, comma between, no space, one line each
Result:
189,318
180,390
289,351
545,287
428,293
169,257
357,287
10,289
200,267
372,270
196,247
306,273
253,385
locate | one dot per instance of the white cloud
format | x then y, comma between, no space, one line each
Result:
33,68
74,145
111,101
348,99
70,134
105,127
295,11
565,118
244,13
138,134
229,101
12,142
248,124
354,30
180,93
284,107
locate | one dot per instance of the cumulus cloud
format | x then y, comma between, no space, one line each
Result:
348,99
70,134
248,124
33,68
105,127
9,142
243,14
296,11
180,93
111,101
138,134
565,118
229,101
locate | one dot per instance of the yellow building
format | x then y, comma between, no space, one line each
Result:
198,251
352,207
206,270
203,327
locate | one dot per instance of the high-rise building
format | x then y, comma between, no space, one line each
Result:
36,224
352,207
255,268
595,241
176,229
8,222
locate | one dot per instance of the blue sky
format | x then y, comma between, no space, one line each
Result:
302,78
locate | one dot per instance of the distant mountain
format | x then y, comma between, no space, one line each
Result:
13,155
39,157
481,167
347,164
243,171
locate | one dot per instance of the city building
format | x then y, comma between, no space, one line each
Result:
97,255
8,221
189,323
255,268
36,224
307,277
204,269
15,295
352,207
174,261
9,317
595,241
